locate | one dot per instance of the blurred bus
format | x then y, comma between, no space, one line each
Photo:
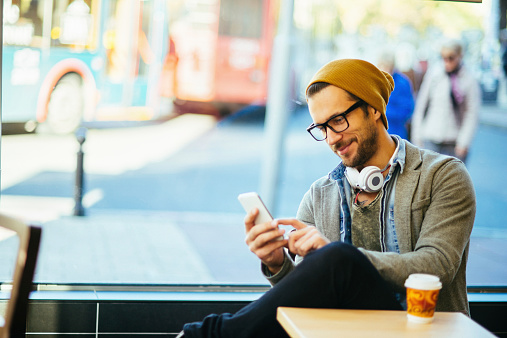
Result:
68,61
223,49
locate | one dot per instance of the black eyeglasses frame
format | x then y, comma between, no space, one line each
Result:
325,125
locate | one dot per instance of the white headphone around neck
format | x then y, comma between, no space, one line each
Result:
370,179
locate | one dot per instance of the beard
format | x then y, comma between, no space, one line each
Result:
366,149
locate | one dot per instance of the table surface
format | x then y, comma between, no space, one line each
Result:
303,322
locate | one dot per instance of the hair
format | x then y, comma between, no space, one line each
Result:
387,59
452,44
364,107
316,87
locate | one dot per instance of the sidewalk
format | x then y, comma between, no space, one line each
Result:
494,115
146,247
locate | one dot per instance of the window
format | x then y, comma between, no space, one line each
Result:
23,22
160,198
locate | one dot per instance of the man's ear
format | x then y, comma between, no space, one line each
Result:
376,114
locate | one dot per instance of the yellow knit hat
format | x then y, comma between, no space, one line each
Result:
359,78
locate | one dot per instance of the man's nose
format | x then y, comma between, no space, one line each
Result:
332,137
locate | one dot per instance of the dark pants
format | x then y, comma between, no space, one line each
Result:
447,148
335,276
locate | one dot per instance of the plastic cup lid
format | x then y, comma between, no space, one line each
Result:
423,281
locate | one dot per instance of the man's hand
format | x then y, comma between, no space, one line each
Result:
305,239
262,239
461,152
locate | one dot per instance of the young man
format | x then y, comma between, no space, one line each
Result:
388,210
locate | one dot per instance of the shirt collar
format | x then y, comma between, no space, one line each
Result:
398,159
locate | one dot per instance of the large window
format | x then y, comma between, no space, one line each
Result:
160,199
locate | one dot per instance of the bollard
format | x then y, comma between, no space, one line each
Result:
79,184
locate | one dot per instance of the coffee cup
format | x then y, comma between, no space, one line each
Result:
422,296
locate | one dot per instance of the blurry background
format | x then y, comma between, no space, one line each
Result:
172,97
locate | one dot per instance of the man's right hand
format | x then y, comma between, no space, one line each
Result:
262,239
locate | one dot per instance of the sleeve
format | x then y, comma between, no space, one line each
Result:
304,214
470,115
287,267
446,221
421,104
401,102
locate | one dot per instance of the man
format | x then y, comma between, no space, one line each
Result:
358,238
447,107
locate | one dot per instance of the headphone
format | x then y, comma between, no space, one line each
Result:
370,179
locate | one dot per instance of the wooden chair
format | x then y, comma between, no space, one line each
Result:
14,323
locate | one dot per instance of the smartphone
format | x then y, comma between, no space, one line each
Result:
250,200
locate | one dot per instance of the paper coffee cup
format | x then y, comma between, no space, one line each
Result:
422,296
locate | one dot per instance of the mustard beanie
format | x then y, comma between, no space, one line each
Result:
359,78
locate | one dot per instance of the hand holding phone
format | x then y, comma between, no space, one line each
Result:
252,200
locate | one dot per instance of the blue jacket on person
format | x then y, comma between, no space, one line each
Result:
400,106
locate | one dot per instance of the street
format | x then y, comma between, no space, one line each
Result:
172,188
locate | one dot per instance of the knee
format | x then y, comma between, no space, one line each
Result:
337,254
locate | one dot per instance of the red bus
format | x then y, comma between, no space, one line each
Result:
219,55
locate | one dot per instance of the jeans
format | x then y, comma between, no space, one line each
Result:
335,276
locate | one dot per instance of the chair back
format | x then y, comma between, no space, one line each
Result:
14,324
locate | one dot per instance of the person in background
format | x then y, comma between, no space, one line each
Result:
401,102
447,106
503,44
389,209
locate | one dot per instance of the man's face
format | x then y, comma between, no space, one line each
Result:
451,59
358,143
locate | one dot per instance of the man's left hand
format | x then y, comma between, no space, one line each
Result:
305,238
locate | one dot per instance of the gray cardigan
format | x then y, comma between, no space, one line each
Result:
434,212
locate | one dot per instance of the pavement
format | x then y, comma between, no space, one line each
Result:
494,115
110,246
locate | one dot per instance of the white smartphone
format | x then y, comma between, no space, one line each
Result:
250,200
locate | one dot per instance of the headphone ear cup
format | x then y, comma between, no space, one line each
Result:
370,179
352,176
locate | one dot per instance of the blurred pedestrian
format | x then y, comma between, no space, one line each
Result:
504,60
447,106
401,102
503,43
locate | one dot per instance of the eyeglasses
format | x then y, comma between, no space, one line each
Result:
337,123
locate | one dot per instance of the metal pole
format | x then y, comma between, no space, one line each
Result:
79,184
277,107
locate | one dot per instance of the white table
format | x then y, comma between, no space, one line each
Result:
325,323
